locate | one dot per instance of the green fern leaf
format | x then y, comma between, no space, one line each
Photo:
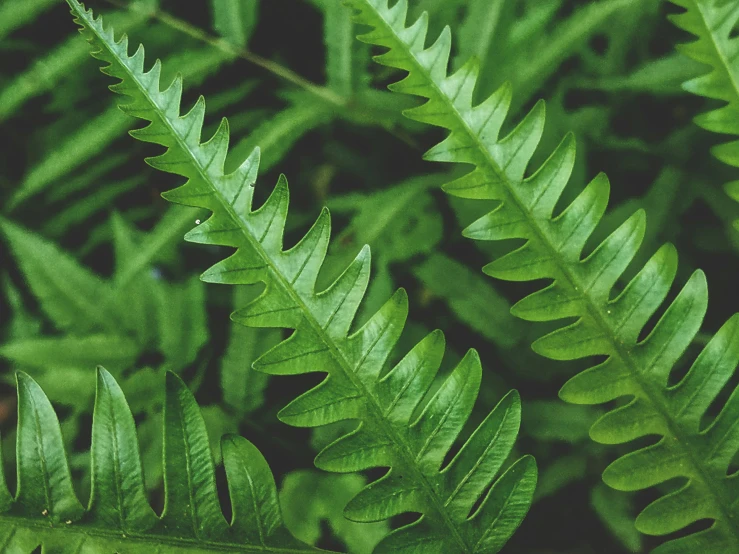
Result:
242,387
356,386
311,498
471,298
235,20
92,138
46,512
46,71
346,60
75,299
278,134
14,16
713,21
107,321
608,320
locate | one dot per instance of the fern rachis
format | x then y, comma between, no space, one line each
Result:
356,387
582,288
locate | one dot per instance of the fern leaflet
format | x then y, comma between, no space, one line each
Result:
357,387
584,288
47,513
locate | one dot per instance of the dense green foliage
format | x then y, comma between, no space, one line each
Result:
414,450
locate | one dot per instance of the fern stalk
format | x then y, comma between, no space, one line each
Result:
357,387
269,65
583,288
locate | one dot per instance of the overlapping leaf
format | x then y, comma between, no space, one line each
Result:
46,512
358,385
608,319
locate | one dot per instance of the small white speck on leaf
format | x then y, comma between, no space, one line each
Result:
197,222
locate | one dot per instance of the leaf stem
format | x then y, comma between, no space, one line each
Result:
269,65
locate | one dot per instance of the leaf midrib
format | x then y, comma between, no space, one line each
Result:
376,411
595,310
114,535
117,479
41,451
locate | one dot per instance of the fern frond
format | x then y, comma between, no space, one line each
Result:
609,320
346,68
91,139
712,22
13,16
235,20
111,322
47,71
357,385
471,297
46,512
58,281
312,499
278,134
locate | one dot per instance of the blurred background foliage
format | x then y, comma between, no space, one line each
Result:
81,214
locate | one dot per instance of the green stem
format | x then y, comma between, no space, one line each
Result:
273,67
